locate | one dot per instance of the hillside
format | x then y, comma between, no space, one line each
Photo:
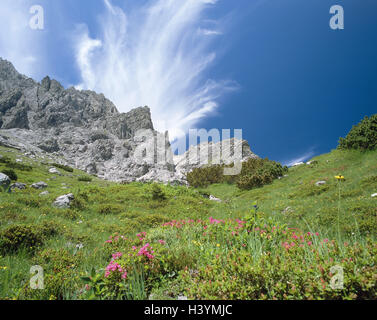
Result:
235,248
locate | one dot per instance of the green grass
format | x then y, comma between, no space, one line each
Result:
103,208
312,205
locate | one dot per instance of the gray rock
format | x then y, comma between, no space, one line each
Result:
17,185
54,171
374,195
64,201
213,198
39,185
44,193
4,181
320,183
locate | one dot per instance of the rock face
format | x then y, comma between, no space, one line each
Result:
82,127
84,130
223,152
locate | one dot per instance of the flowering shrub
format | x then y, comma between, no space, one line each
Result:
250,258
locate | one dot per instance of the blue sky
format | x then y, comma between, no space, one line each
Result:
272,68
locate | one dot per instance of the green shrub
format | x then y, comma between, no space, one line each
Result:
71,214
85,179
369,181
157,193
32,202
205,176
60,276
10,173
20,236
63,167
109,208
256,173
362,136
14,165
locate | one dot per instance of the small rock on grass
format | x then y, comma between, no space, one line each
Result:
17,185
64,201
39,185
54,171
213,198
374,195
4,181
320,183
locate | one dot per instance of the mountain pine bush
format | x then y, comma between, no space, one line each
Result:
362,136
255,173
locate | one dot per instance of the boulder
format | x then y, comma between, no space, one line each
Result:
64,201
4,181
54,171
39,185
17,185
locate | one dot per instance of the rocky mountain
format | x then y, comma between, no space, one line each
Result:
83,129
223,152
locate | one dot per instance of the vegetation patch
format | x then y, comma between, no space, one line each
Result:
362,136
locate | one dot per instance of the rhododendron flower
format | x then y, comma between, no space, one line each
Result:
117,255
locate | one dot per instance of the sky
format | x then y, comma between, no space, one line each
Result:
273,68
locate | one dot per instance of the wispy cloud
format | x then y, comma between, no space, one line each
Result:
301,158
155,55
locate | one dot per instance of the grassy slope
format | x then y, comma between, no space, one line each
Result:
313,206
103,208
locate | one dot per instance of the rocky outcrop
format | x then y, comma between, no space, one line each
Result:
84,130
223,152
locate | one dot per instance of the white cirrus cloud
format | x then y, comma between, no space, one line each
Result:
154,55
301,158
